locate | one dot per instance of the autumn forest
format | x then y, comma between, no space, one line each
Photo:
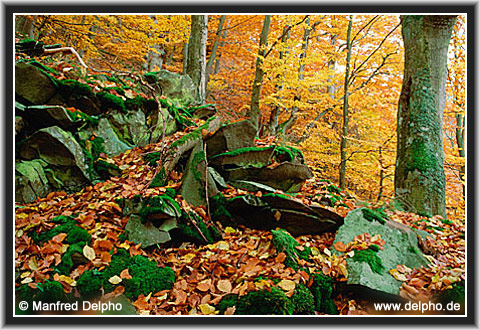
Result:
240,164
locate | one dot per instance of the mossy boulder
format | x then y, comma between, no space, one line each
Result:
31,181
265,302
369,268
32,85
284,242
231,137
179,88
322,289
303,301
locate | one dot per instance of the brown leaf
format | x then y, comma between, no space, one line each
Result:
204,286
224,286
230,310
89,253
125,275
277,215
180,297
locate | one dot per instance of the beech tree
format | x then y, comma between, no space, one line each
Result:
419,172
197,53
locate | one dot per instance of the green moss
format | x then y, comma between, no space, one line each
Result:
375,215
119,262
80,115
68,262
160,179
369,256
265,302
374,247
303,301
106,169
175,113
152,158
456,294
40,66
322,290
119,90
196,134
227,301
89,283
219,210
284,242
110,101
50,291
191,232
147,105
147,277
197,159
284,196
171,192
70,87
67,225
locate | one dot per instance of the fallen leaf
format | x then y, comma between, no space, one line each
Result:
204,286
286,285
340,246
115,279
397,275
277,215
229,230
230,310
224,286
206,309
89,252
125,275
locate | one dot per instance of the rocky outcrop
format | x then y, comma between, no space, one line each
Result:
400,248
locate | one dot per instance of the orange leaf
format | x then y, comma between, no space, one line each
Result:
280,257
204,285
125,275
340,246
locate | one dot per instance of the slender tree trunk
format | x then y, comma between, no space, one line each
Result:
419,172
213,54
273,124
331,68
197,53
185,58
254,111
460,134
222,43
343,141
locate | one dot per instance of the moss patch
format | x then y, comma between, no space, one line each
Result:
265,302
375,215
69,87
322,290
191,232
303,301
284,242
67,225
370,256
110,101
152,158
159,204
89,283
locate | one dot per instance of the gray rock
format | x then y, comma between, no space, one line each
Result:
271,211
113,145
231,137
33,85
193,180
401,248
56,147
130,127
179,88
145,233
286,176
30,181
158,120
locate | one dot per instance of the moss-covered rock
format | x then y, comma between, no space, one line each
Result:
111,102
322,290
89,283
370,257
191,232
284,242
375,215
265,302
72,257
67,225
227,301
303,301
147,277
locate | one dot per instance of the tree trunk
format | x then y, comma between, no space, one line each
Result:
343,141
197,53
460,134
273,124
254,111
24,27
213,54
185,58
419,172
222,43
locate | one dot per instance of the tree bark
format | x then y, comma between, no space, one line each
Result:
254,111
213,54
419,172
343,140
197,53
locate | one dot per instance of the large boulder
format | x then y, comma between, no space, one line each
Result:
179,88
113,144
272,210
31,181
195,177
231,137
401,248
32,85
130,127
144,233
